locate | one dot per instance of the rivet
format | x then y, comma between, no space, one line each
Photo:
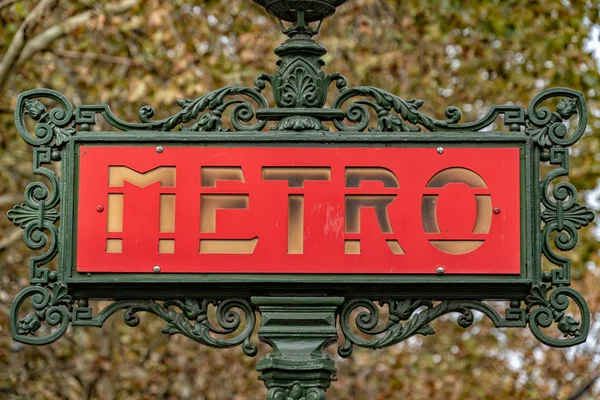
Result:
497,210
440,270
159,149
156,269
99,208
440,150
88,274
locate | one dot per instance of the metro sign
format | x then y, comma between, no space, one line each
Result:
317,210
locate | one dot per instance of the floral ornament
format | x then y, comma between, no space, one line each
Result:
296,391
566,108
24,214
569,326
37,111
31,323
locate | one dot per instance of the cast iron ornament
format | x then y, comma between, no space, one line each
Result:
300,91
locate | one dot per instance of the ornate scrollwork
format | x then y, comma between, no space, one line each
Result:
52,305
300,89
546,128
417,314
38,215
561,214
53,127
545,310
192,321
542,310
216,104
383,103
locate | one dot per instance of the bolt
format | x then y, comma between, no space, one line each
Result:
440,270
440,150
497,210
159,149
156,269
99,208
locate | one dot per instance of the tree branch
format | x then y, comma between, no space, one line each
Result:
44,39
19,41
105,58
21,49
7,3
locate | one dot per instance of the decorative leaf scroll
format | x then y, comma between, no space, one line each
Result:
191,321
541,312
216,103
417,314
384,102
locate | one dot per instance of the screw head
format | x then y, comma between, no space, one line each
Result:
160,149
440,270
497,210
156,269
99,208
440,150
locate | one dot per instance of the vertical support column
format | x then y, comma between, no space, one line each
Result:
298,329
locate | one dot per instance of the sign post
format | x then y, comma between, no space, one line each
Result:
310,223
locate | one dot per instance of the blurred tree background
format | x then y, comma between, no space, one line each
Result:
129,53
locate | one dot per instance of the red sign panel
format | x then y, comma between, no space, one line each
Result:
333,210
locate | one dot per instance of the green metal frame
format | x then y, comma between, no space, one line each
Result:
299,312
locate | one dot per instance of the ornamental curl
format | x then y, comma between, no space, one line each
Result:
52,127
546,310
52,307
546,128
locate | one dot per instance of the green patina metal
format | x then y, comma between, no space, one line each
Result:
299,312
